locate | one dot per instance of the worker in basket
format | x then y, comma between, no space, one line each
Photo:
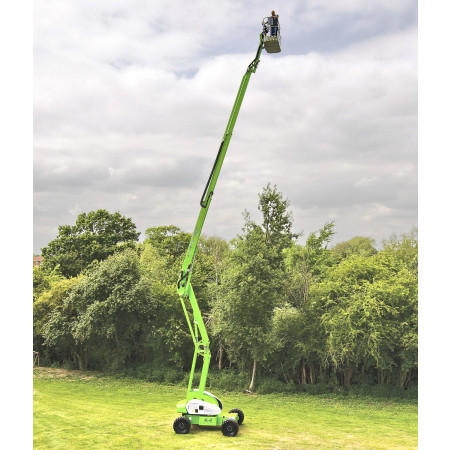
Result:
274,24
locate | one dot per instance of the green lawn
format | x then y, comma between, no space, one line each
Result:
74,410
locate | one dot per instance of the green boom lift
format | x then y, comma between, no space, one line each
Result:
201,407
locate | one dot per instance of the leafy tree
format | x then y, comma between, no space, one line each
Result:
277,220
162,256
246,300
95,236
57,332
107,315
51,300
169,240
170,339
252,282
299,348
207,273
305,264
364,302
405,250
44,307
358,245
213,255
43,280
297,329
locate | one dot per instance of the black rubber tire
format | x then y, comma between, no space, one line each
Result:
239,413
230,428
182,425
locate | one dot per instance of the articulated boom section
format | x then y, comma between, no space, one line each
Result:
202,407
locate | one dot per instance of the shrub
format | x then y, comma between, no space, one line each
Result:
269,385
173,376
232,380
317,389
229,380
195,381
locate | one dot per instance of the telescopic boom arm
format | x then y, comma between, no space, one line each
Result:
184,281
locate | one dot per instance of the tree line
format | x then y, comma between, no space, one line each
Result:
303,314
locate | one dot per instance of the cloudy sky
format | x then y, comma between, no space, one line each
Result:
131,100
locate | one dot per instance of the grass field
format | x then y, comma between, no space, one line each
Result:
78,410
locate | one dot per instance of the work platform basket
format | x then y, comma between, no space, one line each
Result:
272,35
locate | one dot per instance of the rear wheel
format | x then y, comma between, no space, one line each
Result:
239,413
182,425
230,428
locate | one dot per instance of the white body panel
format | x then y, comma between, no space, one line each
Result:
203,408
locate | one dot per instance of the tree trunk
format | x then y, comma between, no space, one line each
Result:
252,383
74,356
84,357
117,355
404,378
220,355
381,375
322,374
303,373
81,358
284,375
312,374
116,340
348,375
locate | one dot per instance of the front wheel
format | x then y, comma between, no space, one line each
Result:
182,425
240,415
230,428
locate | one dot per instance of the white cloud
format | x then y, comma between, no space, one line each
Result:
130,119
